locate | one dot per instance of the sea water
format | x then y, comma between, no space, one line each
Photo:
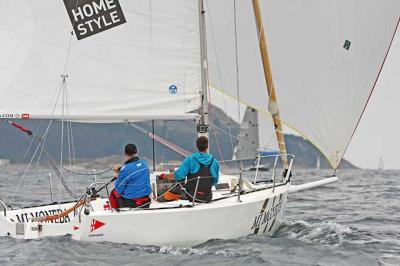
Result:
355,221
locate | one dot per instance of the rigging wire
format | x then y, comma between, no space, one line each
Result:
44,138
71,149
237,138
42,141
165,130
23,176
56,170
210,113
86,174
52,163
62,122
161,140
34,154
31,142
210,19
215,132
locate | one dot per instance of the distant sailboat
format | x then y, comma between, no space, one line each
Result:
380,164
251,144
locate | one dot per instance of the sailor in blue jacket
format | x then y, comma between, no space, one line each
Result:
132,186
199,167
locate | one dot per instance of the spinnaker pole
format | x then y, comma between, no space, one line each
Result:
202,126
273,101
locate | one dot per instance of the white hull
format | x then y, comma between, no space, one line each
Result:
15,223
258,212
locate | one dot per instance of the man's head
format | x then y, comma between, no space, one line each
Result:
202,144
130,150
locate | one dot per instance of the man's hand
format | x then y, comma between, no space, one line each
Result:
116,168
166,176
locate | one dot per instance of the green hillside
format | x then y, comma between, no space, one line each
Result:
93,141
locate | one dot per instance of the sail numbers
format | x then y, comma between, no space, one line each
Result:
89,17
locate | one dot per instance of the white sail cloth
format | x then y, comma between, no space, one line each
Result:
326,57
148,66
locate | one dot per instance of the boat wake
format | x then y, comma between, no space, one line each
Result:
224,248
326,232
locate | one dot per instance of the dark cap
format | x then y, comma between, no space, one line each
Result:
130,149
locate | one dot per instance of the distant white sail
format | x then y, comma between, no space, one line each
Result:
248,144
149,65
326,57
380,164
256,134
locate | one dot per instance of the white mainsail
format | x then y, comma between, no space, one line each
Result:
147,68
326,57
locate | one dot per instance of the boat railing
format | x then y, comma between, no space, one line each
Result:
276,157
194,199
4,207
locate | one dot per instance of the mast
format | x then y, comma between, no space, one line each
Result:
273,101
202,126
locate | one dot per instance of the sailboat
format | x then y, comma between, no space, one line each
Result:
251,143
380,164
157,62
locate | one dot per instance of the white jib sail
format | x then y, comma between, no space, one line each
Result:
147,68
326,57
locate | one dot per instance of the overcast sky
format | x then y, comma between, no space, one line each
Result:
378,134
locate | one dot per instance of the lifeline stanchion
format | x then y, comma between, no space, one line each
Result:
51,188
240,185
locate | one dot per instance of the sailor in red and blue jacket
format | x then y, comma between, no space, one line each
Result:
132,186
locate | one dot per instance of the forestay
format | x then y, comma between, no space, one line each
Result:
147,68
326,57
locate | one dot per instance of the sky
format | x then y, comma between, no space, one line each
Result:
378,134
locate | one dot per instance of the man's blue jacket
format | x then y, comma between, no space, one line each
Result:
191,165
133,179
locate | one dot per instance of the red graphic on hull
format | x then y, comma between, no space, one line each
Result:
75,228
95,224
25,116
